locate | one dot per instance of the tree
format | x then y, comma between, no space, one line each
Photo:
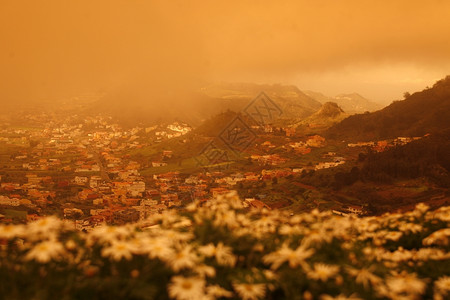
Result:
362,157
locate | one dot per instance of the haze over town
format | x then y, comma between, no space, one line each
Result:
53,49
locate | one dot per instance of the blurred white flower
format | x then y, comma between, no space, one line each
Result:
232,198
217,291
368,224
410,227
182,259
442,286
44,225
118,250
136,243
174,235
286,254
269,275
45,251
266,223
439,237
322,271
296,219
109,233
286,229
186,288
223,254
226,218
405,283
425,254
442,213
192,207
11,231
243,220
398,255
204,270
340,297
182,222
364,276
71,245
158,247
166,218
248,291
393,235
317,236
422,207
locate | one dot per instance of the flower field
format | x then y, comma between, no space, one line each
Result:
220,249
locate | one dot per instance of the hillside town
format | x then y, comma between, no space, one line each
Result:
88,171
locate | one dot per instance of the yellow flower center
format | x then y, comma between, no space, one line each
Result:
120,247
187,285
43,247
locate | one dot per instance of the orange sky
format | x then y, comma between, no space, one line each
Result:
56,48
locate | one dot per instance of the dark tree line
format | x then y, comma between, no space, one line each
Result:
428,157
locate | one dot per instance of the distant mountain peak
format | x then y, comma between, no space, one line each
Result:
329,113
289,98
350,102
420,113
330,110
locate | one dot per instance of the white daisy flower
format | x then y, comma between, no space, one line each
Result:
226,218
442,285
43,226
175,236
248,291
405,283
11,231
182,259
223,254
217,291
45,251
364,276
286,254
186,288
439,237
322,271
205,270
118,250
158,247
339,297
393,235
109,233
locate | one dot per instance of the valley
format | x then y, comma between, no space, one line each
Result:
91,169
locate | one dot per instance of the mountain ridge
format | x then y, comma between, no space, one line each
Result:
350,102
423,112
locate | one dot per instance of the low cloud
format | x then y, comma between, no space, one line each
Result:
54,48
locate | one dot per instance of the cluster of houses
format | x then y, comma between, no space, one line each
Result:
380,146
269,159
70,161
83,170
347,210
171,131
